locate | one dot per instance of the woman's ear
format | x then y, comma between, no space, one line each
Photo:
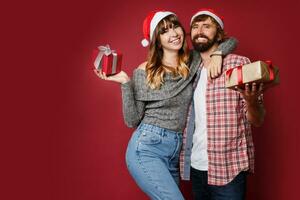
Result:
158,45
219,37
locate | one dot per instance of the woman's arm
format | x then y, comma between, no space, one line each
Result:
227,46
133,110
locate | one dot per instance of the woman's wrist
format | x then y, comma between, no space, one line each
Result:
126,80
216,53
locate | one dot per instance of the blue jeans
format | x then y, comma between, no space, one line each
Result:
235,190
152,159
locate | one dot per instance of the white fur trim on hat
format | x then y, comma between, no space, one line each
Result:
205,12
145,42
156,19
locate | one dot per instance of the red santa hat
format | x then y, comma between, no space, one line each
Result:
150,23
211,13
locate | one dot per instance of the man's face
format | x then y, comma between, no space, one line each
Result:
203,35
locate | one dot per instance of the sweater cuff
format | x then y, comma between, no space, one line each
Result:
127,87
127,84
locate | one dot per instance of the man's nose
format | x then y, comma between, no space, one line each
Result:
200,30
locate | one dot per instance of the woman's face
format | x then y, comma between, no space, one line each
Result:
171,38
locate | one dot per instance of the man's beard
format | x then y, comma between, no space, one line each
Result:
202,47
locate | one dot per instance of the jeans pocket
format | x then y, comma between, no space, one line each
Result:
147,140
148,137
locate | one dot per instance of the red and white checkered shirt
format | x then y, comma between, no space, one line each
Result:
229,139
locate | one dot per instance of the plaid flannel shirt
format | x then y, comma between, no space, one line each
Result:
230,147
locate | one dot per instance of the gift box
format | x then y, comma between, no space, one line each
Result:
109,61
258,72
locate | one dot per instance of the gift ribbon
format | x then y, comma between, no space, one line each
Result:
271,69
239,73
103,50
114,65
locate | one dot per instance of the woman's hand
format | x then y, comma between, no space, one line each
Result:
214,68
120,77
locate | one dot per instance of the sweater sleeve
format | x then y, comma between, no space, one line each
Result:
133,110
228,46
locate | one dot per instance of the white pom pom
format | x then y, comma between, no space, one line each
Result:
145,42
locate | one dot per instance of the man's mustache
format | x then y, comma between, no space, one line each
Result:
200,35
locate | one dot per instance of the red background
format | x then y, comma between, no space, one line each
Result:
62,129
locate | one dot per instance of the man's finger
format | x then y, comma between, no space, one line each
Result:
208,74
247,88
253,87
261,87
239,89
219,68
213,71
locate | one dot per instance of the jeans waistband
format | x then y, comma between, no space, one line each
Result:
158,130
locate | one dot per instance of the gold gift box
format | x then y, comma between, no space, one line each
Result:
257,72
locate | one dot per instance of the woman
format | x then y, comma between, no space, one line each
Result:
156,100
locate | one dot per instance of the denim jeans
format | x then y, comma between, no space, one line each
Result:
235,190
152,159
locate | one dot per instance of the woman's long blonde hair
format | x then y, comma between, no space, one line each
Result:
155,69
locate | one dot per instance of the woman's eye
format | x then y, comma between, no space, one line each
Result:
164,31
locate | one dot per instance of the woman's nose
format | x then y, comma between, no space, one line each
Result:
173,32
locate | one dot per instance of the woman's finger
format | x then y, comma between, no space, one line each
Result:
97,73
104,76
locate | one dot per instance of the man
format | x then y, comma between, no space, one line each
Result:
218,149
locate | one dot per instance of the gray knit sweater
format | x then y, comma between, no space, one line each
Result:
166,107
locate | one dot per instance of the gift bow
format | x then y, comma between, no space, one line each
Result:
103,50
240,72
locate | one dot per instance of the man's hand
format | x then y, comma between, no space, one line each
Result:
255,111
214,68
251,94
